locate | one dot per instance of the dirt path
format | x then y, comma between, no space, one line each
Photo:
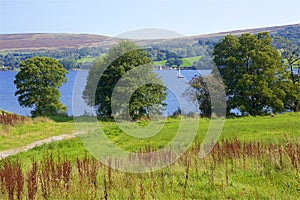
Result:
10,152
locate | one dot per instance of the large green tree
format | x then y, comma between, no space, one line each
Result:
107,71
38,83
255,78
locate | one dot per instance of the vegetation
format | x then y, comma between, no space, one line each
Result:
69,58
18,131
11,119
256,80
256,157
38,83
157,52
121,59
290,53
233,170
183,62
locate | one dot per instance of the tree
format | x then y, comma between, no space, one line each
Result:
209,91
255,78
68,63
290,54
174,61
38,83
112,69
202,95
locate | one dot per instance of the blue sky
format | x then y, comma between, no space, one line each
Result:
112,17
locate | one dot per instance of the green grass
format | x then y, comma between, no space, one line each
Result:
186,62
86,59
36,129
258,177
265,130
160,63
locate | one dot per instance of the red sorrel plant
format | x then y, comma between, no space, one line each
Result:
7,176
32,181
67,168
8,119
142,190
19,177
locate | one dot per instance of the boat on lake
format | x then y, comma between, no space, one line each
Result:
179,75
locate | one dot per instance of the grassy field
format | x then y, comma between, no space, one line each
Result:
186,62
86,59
256,158
34,129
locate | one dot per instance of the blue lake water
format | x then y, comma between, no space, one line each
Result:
176,87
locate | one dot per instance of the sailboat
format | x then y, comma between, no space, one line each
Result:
179,74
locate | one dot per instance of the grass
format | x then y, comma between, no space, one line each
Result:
256,158
266,130
86,60
186,62
160,63
231,171
36,129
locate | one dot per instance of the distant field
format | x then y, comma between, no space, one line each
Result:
186,62
86,59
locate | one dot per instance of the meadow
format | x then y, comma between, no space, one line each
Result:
255,158
186,62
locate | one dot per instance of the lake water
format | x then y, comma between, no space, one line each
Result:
176,87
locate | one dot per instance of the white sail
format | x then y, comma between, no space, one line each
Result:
179,74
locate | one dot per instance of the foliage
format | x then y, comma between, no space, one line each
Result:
111,68
290,33
291,54
31,130
206,89
186,62
12,59
174,62
199,86
234,169
9,119
252,160
68,63
254,75
38,83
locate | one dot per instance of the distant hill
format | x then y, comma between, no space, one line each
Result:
271,30
49,41
39,41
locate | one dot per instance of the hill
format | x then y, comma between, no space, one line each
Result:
49,41
40,41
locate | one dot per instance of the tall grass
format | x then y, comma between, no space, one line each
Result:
234,169
11,119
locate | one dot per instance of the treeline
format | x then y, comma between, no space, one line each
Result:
67,57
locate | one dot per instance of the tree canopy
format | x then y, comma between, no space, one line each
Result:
290,54
256,80
38,83
143,85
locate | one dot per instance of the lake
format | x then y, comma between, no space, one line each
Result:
175,99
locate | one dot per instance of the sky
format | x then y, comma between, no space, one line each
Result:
113,17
